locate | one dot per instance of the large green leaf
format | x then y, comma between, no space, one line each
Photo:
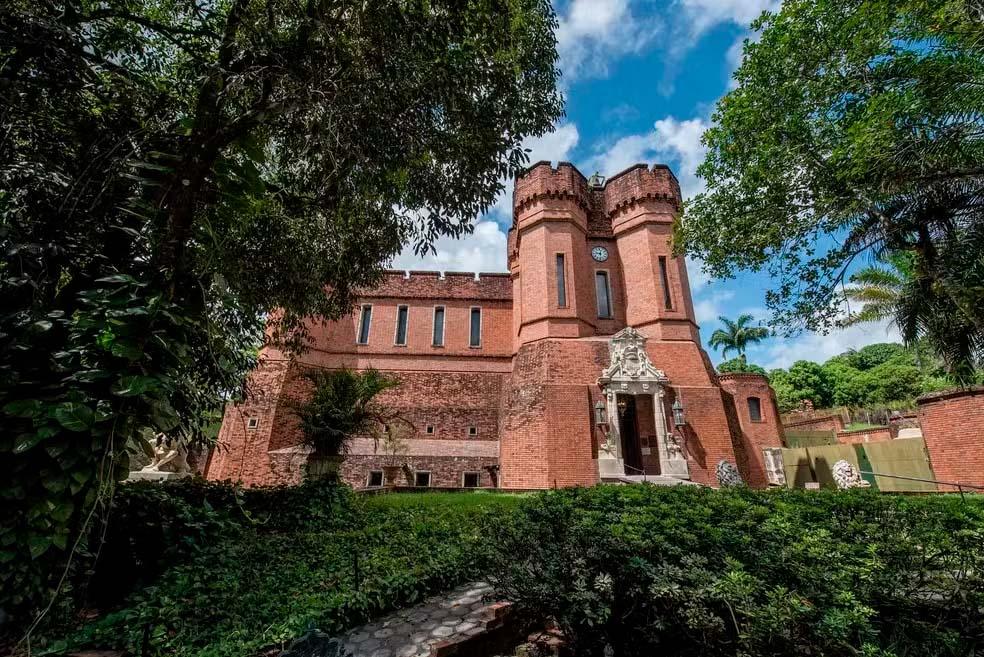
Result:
23,408
131,386
75,417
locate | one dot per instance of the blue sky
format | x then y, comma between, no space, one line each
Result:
641,78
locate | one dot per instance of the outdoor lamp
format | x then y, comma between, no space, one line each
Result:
678,419
596,181
622,405
600,416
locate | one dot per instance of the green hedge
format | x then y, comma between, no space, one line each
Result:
686,572
215,571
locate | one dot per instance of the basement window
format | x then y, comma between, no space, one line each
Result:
422,479
430,429
472,431
375,479
252,423
470,479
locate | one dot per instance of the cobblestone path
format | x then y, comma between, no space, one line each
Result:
414,631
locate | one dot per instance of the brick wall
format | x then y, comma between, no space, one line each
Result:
822,423
753,435
864,436
953,428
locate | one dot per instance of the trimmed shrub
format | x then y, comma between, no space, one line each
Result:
686,572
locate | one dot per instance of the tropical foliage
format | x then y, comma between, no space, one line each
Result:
878,289
173,173
877,375
855,130
640,570
342,404
211,570
737,335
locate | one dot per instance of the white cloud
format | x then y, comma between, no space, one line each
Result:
781,352
484,250
696,274
708,307
592,33
702,15
673,141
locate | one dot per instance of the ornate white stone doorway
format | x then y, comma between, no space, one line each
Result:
630,372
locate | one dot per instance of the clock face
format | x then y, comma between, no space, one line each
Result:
599,253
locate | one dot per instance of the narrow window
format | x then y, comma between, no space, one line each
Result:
755,409
470,479
603,293
439,326
375,479
475,337
472,431
422,479
561,281
252,423
667,297
401,325
364,320
430,429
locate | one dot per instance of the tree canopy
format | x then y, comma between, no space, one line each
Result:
856,128
174,174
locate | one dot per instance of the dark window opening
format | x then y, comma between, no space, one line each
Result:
364,321
422,479
470,480
472,431
667,297
475,336
439,326
402,314
755,409
430,428
603,292
561,281
375,478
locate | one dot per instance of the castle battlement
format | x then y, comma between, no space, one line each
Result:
633,185
413,284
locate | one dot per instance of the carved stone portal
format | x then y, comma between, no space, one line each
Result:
630,372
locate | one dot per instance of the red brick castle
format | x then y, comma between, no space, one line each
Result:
581,364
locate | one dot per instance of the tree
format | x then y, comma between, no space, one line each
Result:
343,404
855,129
739,365
173,173
737,335
879,289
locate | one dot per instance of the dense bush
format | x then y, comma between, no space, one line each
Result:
687,572
208,569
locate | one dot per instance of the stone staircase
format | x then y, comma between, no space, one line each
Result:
655,480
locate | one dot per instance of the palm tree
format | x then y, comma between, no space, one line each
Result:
737,335
879,289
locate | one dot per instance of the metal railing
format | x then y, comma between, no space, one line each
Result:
639,470
959,486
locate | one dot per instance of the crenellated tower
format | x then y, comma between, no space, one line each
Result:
590,257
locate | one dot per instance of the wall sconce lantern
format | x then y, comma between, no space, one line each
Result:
678,419
601,417
621,405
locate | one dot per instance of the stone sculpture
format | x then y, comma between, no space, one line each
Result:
847,476
728,475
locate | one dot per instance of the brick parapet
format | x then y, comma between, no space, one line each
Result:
412,284
821,423
543,181
641,183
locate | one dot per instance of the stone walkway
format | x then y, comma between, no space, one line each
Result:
425,629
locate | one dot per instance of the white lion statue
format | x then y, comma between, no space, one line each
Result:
728,474
847,476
